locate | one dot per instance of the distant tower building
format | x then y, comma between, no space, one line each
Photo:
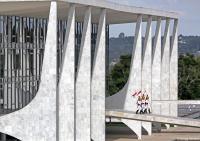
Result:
121,35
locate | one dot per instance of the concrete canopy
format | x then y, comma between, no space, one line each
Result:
47,117
116,13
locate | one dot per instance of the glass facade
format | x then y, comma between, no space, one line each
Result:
22,46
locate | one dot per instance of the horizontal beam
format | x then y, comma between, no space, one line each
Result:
189,102
177,101
116,13
125,8
153,118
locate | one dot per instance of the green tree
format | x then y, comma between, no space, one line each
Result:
118,76
188,76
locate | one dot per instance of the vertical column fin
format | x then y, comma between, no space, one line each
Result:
174,68
165,85
83,83
40,113
98,82
66,84
134,82
156,71
146,69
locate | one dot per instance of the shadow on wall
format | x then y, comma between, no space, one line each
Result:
116,131
5,137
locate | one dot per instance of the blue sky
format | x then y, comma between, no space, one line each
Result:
189,11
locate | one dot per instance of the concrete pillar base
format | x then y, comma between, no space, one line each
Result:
135,126
167,126
148,127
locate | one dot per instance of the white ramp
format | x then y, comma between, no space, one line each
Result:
153,118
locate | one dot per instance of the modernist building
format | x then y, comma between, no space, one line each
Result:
53,64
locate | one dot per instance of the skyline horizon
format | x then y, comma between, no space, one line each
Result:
152,35
188,10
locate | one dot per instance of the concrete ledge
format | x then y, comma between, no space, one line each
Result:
153,118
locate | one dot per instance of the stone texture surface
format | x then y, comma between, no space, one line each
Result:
37,121
134,81
174,69
165,63
174,63
66,84
156,64
165,88
162,103
135,126
83,81
146,68
153,118
98,83
173,109
124,99
156,71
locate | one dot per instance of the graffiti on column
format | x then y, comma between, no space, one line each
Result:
143,105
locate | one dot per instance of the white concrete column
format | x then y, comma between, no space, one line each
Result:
66,83
165,70
174,68
156,71
165,63
135,126
134,81
156,63
98,83
37,121
146,69
174,63
83,80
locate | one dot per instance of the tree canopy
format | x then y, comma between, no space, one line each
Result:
188,76
118,75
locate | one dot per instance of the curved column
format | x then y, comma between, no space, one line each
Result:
83,80
98,83
156,72
135,126
156,63
124,99
174,69
66,84
134,82
165,70
37,121
146,69
165,63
